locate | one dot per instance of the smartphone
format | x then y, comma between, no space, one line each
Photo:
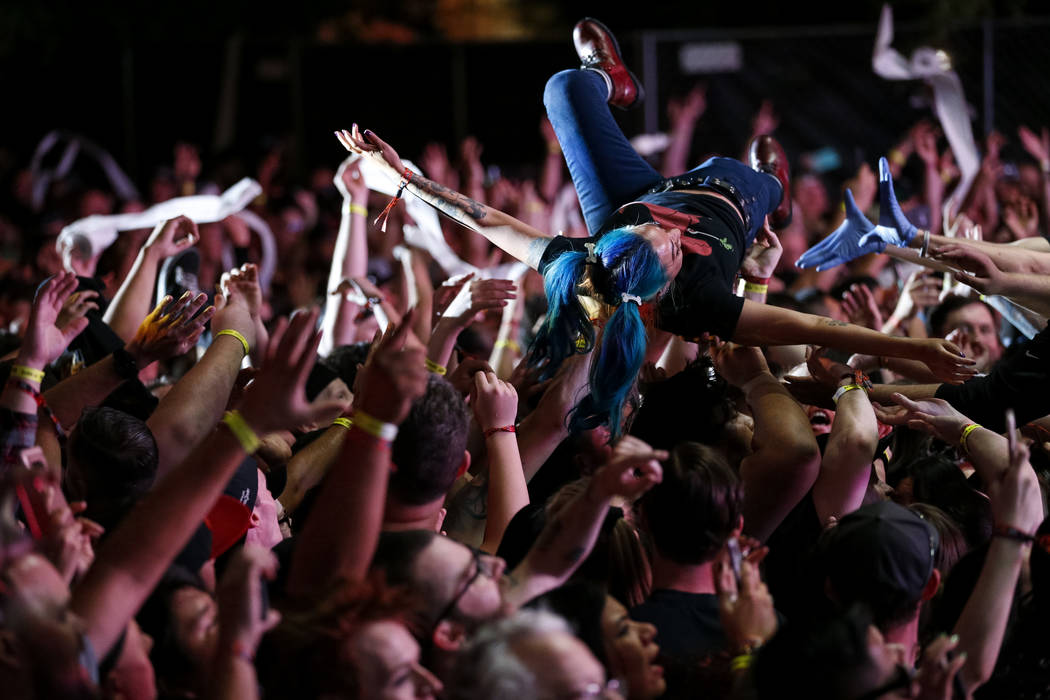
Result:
1011,431
36,491
735,557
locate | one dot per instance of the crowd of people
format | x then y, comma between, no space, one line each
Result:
639,432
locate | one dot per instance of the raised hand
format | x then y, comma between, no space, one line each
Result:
633,470
763,255
241,620
856,236
890,214
349,181
739,364
276,399
233,311
172,236
477,298
825,370
861,308
44,341
370,145
394,375
1038,146
935,417
495,401
76,307
976,269
171,329
945,360
747,613
1015,496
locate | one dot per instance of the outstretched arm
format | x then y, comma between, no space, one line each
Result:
511,235
570,533
769,325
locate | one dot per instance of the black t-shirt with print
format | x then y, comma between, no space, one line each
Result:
701,297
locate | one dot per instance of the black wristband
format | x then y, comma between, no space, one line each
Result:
1012,533
124,364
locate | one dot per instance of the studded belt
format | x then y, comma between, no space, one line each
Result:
700,182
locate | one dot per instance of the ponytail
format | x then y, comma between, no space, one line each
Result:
567,329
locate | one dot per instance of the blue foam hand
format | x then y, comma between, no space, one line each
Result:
890,214
849,241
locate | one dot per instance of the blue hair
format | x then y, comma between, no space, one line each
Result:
628,265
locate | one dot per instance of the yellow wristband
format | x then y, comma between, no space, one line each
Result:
842,390
897,157
756,288
358,209
238,336
23,372
242,431
435,367
509,344
374,427
740,663
345,422
965,434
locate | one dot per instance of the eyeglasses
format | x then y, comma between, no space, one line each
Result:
901,679
483,564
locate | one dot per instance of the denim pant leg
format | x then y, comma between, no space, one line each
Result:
761,191
605,168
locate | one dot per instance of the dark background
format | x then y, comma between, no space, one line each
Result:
138,77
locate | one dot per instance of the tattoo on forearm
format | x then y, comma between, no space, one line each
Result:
447,201
833,322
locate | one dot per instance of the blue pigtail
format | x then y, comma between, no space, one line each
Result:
567,329
635,269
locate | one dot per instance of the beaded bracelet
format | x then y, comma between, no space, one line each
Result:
235,334
242,431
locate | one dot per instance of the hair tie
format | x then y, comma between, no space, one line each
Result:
591,257
625,297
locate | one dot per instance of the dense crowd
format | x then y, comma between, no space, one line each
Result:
598,431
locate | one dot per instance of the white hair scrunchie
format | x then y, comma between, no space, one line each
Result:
625,297
591,257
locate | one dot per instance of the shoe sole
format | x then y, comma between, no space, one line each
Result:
639,90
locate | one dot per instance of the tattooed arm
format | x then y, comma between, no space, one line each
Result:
570,533
760,324
513,236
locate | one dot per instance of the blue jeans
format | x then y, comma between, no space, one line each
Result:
609,173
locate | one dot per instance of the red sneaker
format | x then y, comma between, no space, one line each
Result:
597,48
767,155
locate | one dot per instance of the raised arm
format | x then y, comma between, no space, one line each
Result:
785,459
846,466
350,258
769,325
342,530
193,406
511,235
570,533
133,300
134,557
495,404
